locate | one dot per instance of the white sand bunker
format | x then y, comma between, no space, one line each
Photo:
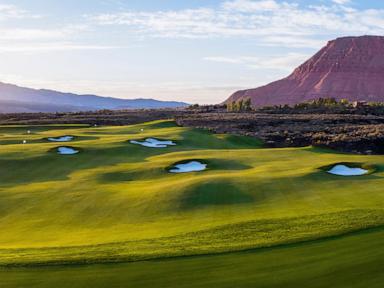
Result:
61,139
153,143
192,166
67,151
343,170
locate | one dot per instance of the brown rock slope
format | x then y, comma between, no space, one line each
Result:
346,68
346,133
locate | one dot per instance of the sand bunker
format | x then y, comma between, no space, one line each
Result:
192,166
153,143
67,151
61,139
343,170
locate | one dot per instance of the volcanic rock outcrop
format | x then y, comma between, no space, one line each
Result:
349,68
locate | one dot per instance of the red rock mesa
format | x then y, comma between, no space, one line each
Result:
346,68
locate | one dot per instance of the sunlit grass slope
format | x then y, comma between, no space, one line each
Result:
350,261
115,201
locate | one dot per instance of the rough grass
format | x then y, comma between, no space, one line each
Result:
116,201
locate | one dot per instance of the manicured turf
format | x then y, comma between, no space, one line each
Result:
351,261
116,202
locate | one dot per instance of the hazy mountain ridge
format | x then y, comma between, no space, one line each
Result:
14,98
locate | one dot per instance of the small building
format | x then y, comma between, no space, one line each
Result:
359,104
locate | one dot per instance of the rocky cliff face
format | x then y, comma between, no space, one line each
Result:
346,68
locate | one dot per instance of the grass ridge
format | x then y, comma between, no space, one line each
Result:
249,235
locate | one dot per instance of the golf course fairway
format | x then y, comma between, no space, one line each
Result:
113,215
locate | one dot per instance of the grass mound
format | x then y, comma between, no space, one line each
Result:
213,193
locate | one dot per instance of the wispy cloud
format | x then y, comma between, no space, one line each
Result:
266,20
284,62
21,38
27,34
252,6
8,11
51,47
341,2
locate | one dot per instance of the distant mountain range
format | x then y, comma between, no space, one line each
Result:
346,68
15,99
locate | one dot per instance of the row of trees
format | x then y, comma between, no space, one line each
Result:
240,106
333,103
327,105
323,102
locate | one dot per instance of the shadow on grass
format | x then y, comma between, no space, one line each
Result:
152,172
45,140
54,167
162,124
75,139
51,167
204,139
37,129
20,141
214,193
128,176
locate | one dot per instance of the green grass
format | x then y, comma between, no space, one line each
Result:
354,260
116,202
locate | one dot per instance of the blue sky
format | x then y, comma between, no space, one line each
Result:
194,51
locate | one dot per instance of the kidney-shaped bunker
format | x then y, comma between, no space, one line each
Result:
344,170
61,139
67,151
153,143
191,166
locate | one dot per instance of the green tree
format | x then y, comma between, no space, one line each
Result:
247,104
234,106
229,107
240,105
344,102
